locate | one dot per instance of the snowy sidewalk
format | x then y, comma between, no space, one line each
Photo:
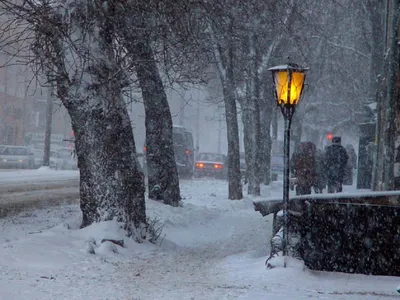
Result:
213,249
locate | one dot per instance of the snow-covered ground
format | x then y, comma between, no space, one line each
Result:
213,248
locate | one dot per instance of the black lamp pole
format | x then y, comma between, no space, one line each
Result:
287,112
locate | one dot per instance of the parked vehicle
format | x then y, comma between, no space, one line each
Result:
65,159
38,157
53,159
17,157
210,164
184,150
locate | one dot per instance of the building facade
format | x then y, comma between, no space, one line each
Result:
23,110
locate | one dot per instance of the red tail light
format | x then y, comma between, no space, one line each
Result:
187,151
144,148
199,165
218,166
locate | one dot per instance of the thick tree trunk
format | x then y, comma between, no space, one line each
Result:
378,14
111,184
161,165
384,156
163,180
251,121
234,176
255,104
393,71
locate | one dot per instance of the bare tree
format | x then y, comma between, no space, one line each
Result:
161,165
74,45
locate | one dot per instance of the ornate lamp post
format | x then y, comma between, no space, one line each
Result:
289,82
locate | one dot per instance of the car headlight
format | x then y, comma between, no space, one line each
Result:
21,160
4,160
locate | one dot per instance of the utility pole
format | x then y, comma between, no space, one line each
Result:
219,133
47,135
198,126
25,105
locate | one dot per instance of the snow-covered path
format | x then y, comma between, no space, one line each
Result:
213,249
187,265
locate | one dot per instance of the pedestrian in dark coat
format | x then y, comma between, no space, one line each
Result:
335,161
320,170
351,164
303,167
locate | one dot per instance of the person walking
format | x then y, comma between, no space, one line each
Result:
303,167
335,162
351,164
320,182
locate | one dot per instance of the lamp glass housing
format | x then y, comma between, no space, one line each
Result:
289,83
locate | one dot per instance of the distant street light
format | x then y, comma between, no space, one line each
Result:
289,82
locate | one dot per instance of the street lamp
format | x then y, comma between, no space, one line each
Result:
289,82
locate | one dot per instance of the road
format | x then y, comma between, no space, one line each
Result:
22,190
35,176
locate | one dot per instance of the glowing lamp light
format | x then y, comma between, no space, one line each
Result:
329,136
289,82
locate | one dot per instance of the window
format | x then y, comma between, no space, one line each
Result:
178,139
211,157
189,140
15,151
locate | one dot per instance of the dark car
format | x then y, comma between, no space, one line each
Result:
184,150
210,164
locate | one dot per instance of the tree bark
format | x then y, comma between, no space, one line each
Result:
385,133
234,176
111,184
251,122
393,70
161,165
255,104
